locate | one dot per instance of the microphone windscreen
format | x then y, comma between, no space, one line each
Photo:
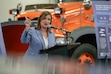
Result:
49,26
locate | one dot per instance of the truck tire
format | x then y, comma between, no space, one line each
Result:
85,54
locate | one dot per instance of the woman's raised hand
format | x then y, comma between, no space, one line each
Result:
27,23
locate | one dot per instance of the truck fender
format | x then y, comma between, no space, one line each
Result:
75,34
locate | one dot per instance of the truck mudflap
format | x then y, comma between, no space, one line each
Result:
12,31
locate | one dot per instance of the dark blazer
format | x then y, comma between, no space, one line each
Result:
36,42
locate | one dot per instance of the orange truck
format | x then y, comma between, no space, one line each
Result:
74,17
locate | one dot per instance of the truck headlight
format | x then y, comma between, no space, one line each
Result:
58,10
87,4
60,41
13,11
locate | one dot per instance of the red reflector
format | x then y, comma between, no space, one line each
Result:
10,11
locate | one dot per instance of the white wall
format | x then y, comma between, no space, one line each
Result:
5,5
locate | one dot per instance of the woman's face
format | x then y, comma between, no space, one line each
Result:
45,21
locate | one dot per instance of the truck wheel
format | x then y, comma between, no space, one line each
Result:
85,54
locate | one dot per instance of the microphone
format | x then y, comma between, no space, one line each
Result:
50,26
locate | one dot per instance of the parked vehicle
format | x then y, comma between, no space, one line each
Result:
74,17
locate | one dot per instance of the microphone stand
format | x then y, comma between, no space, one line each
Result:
66,40
69,45
67,35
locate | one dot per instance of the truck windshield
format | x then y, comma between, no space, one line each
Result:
79,0
71,0
51,6
40,6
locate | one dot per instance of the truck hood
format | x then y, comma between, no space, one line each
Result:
31,14
70,5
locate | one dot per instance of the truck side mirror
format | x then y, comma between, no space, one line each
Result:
16,11
19,7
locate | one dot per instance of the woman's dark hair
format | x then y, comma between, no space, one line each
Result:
41,17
